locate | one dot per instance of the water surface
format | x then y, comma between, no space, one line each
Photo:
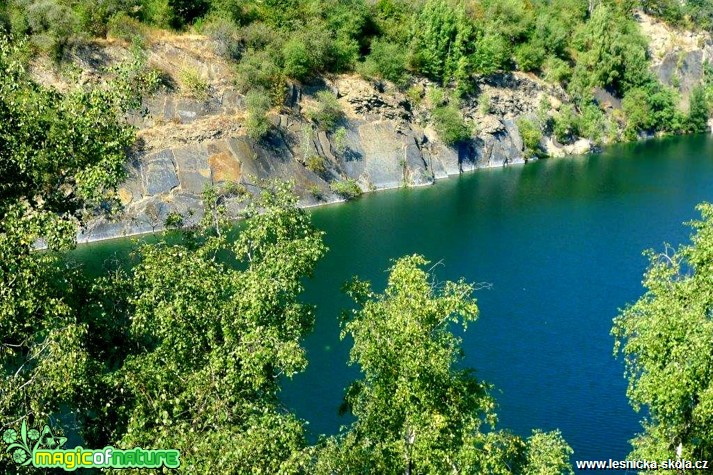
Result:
560,242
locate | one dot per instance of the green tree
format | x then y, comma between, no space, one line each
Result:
210,339
386,60
415,411
665,339
699,110
450,125
531,135
61,155
443,40
611,53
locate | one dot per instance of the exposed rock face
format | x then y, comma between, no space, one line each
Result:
189,143
678,57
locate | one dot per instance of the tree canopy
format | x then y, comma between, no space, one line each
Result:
665,339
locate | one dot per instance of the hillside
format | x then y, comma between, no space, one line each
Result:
336,134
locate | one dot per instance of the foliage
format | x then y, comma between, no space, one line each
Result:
611,53
415,410
386,60
347,189
492,54
450,125
256,122
327,111
566,124
316,164
699,110
210,341
226,35
665,340
339,138
61,155
652,108
531,133
443,39
193,84
125,27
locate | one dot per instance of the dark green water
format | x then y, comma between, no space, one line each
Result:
559,240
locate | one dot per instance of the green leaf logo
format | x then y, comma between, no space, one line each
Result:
21,446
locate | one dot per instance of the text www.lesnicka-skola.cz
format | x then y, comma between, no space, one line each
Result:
642,465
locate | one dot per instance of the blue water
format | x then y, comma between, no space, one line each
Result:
561,243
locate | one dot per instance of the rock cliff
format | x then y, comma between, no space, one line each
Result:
187,143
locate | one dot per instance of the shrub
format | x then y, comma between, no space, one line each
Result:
531,135
316,164
226,35
347,189
485,105
387,60
566,125
259,70
316,192
124,27
185,12
157,13
193,84
492,54
450,125
256,123
327,111
529,56
591,122
699,110
299,62
340,140
556,70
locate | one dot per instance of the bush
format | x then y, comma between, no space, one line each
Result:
566,125
124,27
259,70
556,70
387,60
193,84
51,25
529,56
450,125
327,111
592,123
699,110
316,192
226,35
492,54
531,135
339,138
299,62
256,123
185,12
316,164
157,13
347,189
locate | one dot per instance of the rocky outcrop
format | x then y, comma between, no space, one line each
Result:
678,57
187,143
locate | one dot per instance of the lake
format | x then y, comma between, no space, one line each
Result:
560,244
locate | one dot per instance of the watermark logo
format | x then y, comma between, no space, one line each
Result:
42,449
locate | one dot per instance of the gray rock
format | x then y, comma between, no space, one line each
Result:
159,173
193,168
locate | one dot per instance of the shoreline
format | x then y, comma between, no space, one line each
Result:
87,241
